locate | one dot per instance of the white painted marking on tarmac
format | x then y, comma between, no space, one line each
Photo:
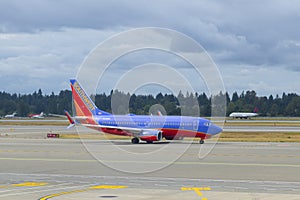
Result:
161,185
41,175
154,162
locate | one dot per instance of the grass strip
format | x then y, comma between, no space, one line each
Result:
224,137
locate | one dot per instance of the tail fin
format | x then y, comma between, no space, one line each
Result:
83,104
255,110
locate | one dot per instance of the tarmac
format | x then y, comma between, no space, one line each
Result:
34,167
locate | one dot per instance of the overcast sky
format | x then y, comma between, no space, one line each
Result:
255,44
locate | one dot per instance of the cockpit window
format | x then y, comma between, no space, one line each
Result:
206,124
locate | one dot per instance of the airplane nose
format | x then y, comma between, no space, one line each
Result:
214,129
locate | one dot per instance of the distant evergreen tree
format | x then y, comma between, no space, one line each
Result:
286,105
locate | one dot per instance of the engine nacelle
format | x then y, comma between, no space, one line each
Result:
151,135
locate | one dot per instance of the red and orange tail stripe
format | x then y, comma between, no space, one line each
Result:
80,106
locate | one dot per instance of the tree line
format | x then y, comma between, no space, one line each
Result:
287,105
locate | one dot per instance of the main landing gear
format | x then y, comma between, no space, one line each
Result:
135,140
201,141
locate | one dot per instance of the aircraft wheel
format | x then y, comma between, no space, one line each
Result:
135,140
201,141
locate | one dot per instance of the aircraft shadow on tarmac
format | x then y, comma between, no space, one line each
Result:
125,143
128,143
142,143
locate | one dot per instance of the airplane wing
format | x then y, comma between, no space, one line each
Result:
142,133
133,131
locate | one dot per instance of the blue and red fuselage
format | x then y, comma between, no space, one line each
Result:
172,127
144,127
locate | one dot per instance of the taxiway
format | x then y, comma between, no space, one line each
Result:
33,167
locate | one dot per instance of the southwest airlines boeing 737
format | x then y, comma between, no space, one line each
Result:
139,127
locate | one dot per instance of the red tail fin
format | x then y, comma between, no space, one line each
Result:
84,106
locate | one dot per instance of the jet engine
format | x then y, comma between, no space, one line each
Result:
151,135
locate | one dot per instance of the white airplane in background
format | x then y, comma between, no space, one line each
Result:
39,116
10,116
243,115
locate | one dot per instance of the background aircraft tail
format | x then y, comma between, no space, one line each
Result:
83,104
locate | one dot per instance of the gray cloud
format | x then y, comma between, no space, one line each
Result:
238,35
44,60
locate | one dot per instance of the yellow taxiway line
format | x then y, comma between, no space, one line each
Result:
97,187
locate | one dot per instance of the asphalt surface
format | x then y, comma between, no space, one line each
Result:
32,167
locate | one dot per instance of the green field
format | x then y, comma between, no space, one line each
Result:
224,137
40,122
253,123
259,137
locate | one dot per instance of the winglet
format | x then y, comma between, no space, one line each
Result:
159,113
72,122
